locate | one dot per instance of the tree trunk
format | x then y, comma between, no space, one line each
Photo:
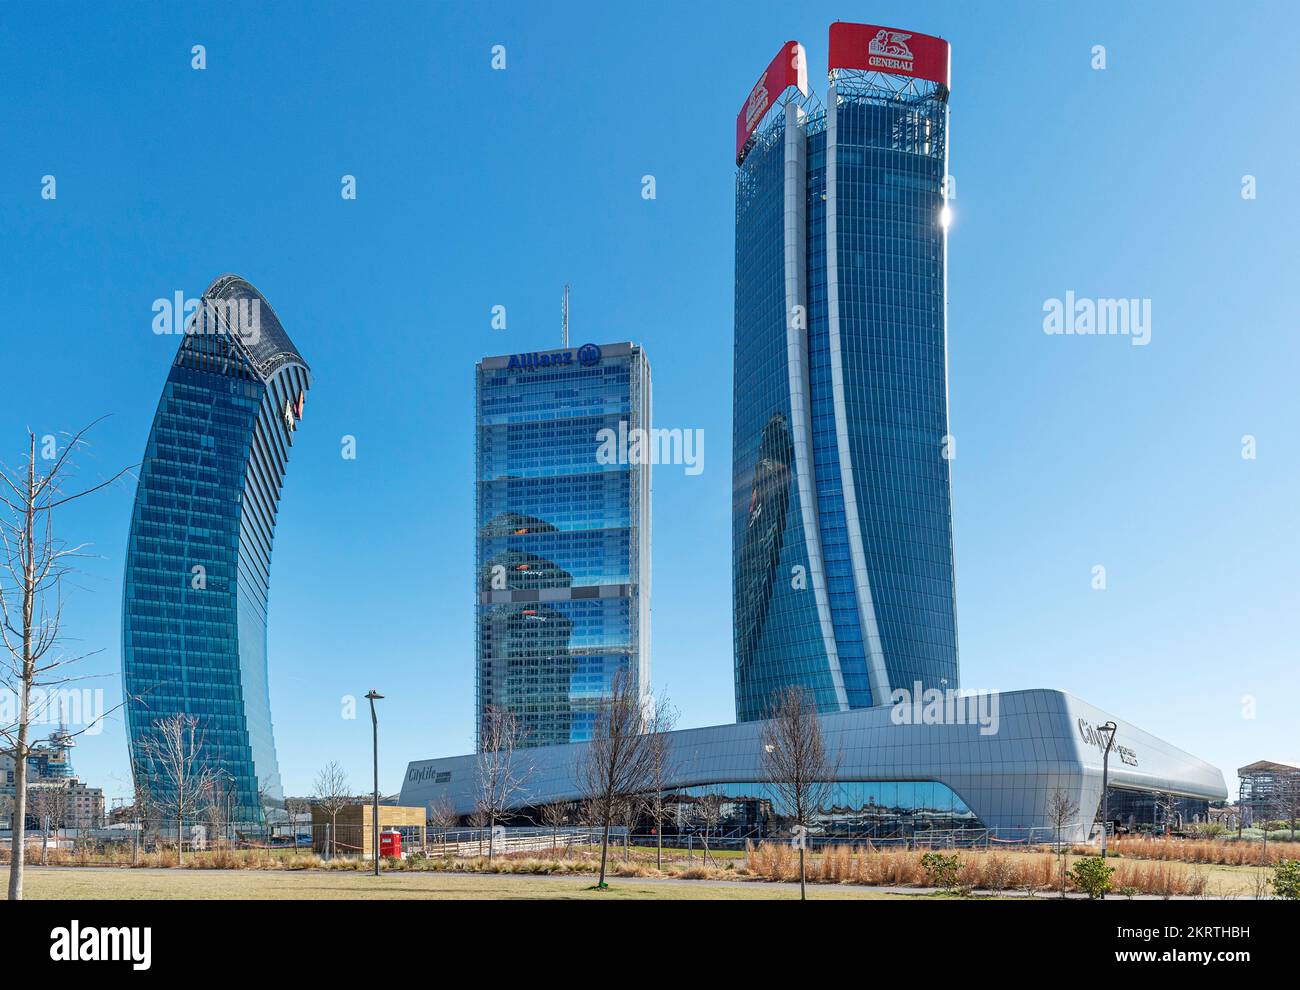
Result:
17,863
803,889
604,851
659,843
180,837
18,846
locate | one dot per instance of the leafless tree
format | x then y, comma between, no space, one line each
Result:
219,801
294,809
442,816
629,809
332,794
174,750
1288,800
1061,813
48,801
798,768
34,565
618,762
555,815
1167,802
587,813
662,768
708,812
503,768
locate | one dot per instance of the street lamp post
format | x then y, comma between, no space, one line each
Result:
372,697
1107,731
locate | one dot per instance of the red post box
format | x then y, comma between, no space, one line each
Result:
390,844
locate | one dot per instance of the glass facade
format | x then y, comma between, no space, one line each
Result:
877,809
841,400
562,517
198,557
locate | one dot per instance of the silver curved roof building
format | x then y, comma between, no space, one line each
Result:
897,775
198,561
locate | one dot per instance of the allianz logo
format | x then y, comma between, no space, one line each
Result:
1093,738
587,355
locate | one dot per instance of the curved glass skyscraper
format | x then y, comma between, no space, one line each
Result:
198,560
842,535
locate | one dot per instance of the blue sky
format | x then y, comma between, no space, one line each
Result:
479,187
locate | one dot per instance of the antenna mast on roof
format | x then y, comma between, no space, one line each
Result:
565,311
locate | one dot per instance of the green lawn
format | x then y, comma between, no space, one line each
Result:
75,883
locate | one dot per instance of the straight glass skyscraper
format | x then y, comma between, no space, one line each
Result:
562,559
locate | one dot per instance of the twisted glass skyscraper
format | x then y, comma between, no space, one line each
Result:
842,536
198,561
562,514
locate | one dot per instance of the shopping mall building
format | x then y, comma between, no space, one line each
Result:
842,549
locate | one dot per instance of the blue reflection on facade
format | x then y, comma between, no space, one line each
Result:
198,559
563,541
874,349
869,809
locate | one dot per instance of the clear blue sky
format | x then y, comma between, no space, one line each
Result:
479,187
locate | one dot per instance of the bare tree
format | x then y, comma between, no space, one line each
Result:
502,770
1288,799
294,809
1167,803
48,801
142,809
213,801
554,815
174,750
219,801
662,768
332,794
1061,812
33,567
618,762
442,816
796,764
708,812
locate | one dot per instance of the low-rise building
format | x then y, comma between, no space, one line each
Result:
1269,791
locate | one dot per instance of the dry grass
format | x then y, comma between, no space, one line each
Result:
100,884
213,859
977,870
1207,851
1147,866
1160,878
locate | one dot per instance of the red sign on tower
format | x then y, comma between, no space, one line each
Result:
873,48
789,68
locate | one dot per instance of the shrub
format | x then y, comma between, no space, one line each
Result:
941,870
1286,879
1092,876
